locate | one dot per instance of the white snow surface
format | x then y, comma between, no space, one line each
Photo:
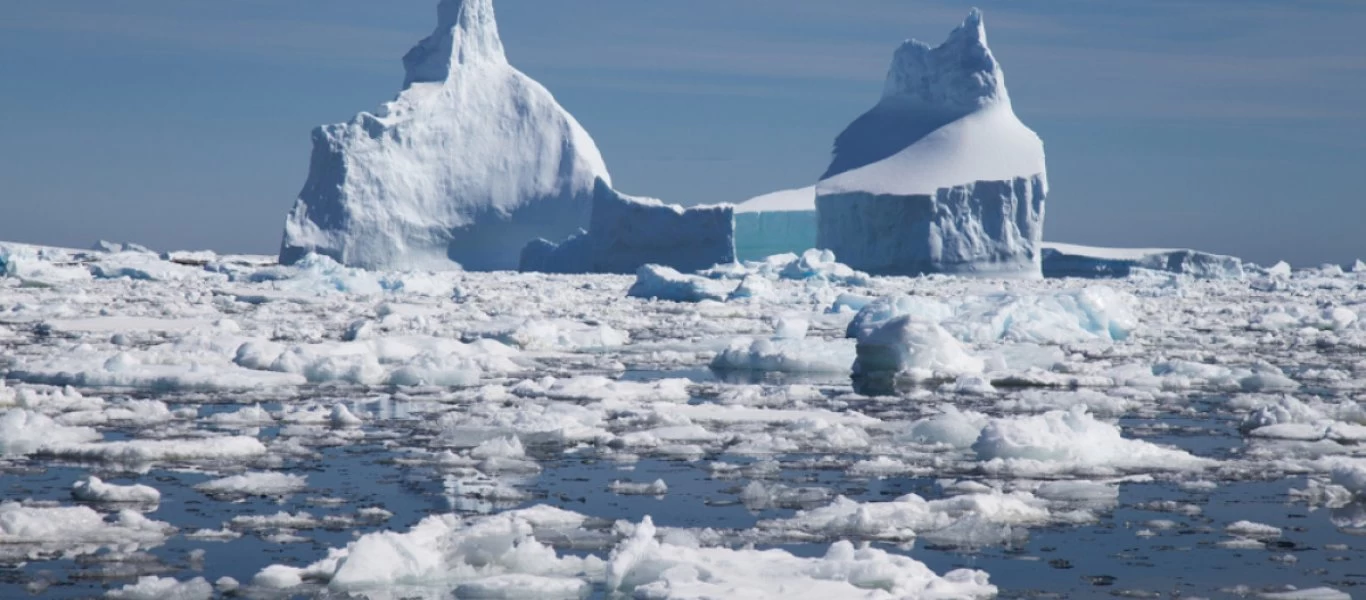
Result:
473,160
990,144
794,200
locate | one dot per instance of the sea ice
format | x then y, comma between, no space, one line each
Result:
94,489
441,552
23,431
71,531
644,567
1072,441
802,355
255,484
164,588
664,283
917,348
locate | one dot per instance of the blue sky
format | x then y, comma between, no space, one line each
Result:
1233,126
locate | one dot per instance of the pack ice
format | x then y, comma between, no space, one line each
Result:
471,161
940,176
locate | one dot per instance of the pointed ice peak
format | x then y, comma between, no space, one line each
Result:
960,75
973,24
466,32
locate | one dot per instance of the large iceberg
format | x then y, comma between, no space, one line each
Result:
629,232
940,176
471,161
776,223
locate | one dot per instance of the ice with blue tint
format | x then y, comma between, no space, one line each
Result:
1071,260
940,176
776,223
627,232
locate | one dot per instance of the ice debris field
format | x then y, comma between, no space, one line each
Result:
190,425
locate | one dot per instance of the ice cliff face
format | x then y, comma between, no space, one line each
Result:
776,223
940,176
471,161
628,232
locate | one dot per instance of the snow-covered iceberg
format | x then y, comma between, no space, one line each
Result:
1070,260
628,232
471,161
940,176
776,223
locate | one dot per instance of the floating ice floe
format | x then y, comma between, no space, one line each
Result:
801,355
678,567
630,488
32,532
94,489
136,452
446,552
664,283
1072,442
255,484
967,520
164,588
23,431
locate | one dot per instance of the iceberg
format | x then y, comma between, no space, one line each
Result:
471,161
628,232
1071,260
940,176
777,223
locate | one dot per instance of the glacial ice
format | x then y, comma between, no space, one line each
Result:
777,223
627,232
470,162
940,176
1071,260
